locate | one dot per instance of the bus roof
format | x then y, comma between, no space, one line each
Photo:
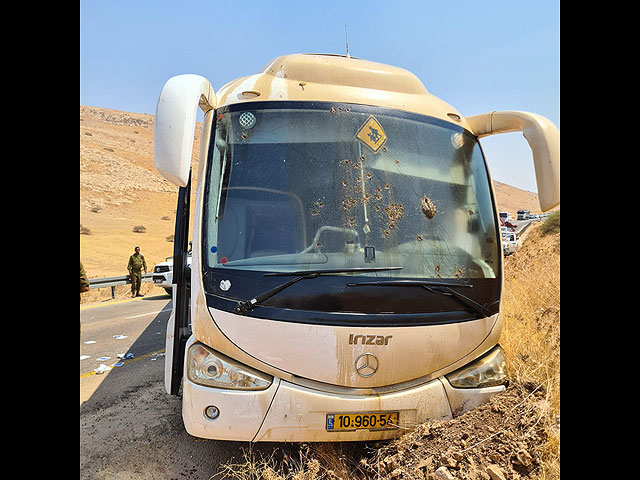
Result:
336,78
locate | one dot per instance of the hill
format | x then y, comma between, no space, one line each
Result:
120,189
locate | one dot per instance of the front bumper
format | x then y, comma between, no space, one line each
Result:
286,412
161,280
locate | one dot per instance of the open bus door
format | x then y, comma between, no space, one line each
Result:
178,330
174,130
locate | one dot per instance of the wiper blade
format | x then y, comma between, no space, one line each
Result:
335,270
248,305
441,288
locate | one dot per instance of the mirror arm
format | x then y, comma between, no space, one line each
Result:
543,138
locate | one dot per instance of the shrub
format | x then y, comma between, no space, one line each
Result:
84,230
552,224
139,229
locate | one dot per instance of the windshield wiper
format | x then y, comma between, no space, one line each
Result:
248,305
441,288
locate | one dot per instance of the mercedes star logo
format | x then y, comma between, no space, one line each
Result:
366,364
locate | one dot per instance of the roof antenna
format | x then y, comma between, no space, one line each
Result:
346,40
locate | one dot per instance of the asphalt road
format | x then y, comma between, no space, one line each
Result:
521,225
136,326
130,428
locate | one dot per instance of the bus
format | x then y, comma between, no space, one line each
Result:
523,215
346,272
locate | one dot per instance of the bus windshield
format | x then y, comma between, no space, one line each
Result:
312,185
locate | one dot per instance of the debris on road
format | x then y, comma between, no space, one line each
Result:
101,369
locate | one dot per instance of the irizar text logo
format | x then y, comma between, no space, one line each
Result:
369,339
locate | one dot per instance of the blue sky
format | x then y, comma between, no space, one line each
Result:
477,56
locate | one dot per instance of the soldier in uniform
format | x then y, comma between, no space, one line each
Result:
84,286
135,267
84,282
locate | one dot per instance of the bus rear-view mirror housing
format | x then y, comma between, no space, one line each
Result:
175,124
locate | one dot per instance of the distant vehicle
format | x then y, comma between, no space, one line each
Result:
523,215
505,216
163,273
509,243
510,224
504,231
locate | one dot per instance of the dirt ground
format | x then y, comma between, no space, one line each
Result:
141,436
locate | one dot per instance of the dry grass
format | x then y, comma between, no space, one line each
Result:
531,341
531,331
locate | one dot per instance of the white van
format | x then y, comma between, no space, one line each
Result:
509,243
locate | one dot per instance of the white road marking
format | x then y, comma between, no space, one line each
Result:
150,313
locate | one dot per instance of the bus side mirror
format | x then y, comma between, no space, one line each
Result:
544,140
175,124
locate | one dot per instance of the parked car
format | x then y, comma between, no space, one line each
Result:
163,274
510,224
509,243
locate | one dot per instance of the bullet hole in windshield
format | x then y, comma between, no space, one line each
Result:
394,212
428,207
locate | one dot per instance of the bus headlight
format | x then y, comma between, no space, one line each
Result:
487,371
211,369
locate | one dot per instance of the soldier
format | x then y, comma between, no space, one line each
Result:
84,282
136,264
84,286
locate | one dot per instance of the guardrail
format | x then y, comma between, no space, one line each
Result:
113,282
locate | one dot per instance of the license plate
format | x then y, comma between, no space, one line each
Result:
348,422
157,280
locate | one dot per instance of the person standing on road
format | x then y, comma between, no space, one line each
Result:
135,267
84,282
84,286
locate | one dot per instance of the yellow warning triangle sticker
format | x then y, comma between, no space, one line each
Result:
372,134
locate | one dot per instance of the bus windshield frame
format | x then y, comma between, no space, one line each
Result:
295,186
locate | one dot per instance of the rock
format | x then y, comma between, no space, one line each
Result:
495,472
425,462
449,461
443,473
523,458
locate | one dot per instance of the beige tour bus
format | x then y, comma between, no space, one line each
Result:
347,270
